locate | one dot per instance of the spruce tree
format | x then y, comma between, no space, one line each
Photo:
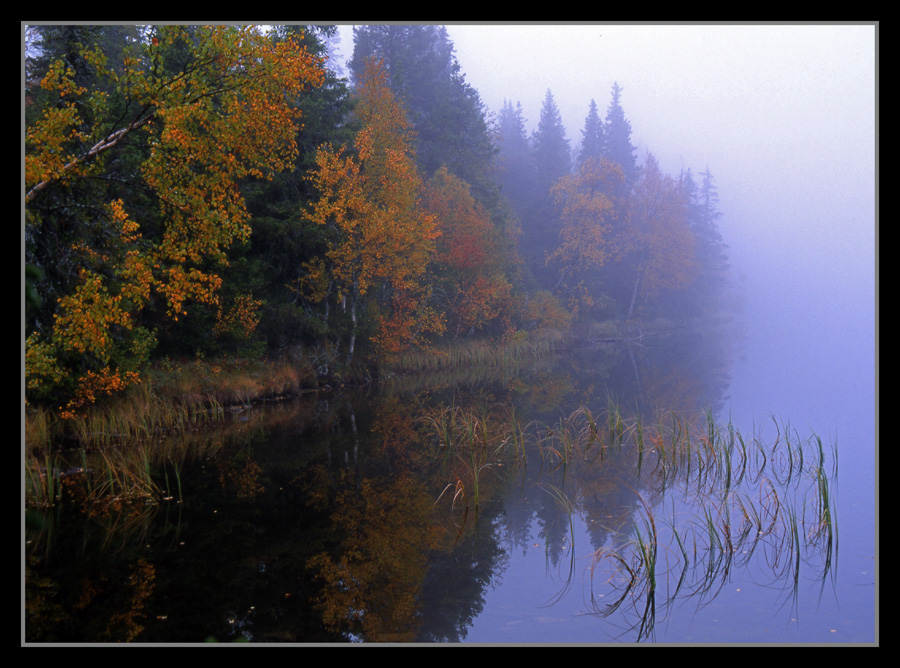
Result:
551,147
540,226
515,167
593,139
447,113
619,148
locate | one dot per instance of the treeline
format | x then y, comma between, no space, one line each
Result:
223,191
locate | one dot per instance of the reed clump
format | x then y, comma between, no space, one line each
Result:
743,496
174,396
468,353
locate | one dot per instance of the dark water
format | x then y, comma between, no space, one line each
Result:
341,517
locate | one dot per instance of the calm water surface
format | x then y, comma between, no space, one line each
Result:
347,518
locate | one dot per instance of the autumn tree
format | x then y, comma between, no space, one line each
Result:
132,194
469,260
659,245
381,237
586,238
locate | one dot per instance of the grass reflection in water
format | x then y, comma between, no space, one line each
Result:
729,501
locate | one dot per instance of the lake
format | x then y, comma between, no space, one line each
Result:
488,506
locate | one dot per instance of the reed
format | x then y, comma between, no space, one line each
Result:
467,353
126,476
516,435
739,489
647,544
42,483
459,492
466,437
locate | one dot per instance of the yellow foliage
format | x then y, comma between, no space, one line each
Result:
229,115
587,215
383,236
241,319
94,384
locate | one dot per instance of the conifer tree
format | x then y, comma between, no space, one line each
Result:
712,251
446,113
552,160
593,139
551,147
619,148
515,168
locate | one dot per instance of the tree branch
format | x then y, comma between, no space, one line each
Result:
110,141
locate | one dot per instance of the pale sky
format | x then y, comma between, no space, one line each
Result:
783,115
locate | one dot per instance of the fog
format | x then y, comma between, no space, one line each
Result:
784,116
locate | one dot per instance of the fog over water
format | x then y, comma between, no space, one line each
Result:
784,116
326,519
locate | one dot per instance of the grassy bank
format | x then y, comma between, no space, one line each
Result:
180,394
175,395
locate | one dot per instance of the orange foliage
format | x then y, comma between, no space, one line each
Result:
229,115
371,201
241,319
93,384
372,585
660,232
587,216
469,255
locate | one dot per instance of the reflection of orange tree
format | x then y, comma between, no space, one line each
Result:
118,610
545,391
373,579
395,425
240,476
672,389
125,625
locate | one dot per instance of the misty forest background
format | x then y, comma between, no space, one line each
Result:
178,207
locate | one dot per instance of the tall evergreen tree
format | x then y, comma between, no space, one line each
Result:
593,138
540,224
711,245
447,113
619,148
283,240
552,154
515,167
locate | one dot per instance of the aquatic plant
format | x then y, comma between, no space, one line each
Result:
738,497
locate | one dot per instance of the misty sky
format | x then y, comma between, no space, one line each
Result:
783,115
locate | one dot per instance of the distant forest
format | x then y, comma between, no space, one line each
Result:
222,191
